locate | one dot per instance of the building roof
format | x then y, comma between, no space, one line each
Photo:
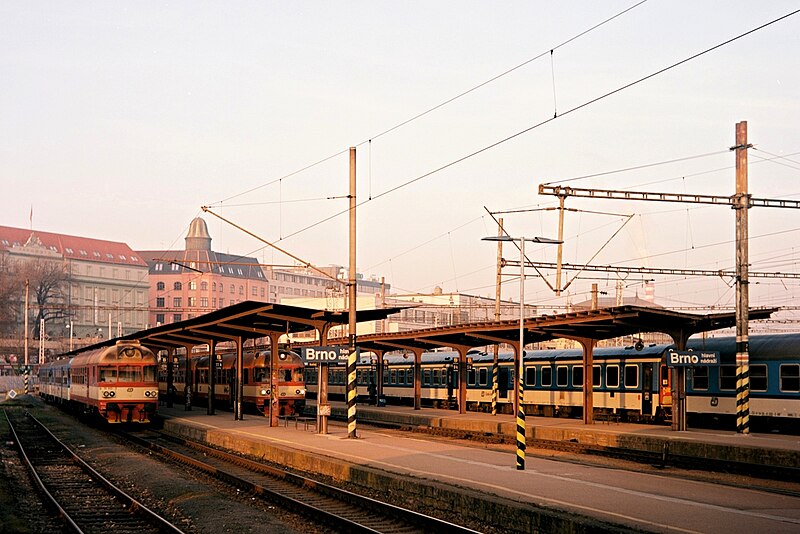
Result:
73,247
173,262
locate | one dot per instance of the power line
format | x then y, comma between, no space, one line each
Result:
547,121
438,106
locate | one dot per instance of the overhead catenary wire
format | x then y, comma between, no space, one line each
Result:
549,120
437,106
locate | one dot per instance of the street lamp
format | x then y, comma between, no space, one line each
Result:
71,332
521,440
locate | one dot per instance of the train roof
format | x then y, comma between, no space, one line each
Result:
763,347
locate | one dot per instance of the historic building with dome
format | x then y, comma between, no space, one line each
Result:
196,280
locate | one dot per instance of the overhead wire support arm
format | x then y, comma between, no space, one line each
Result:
611,194
647,270
276,247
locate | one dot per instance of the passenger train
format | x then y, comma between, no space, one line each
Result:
118,382
632,383
256,380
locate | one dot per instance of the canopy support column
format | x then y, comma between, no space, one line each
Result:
212,376
239,391
274,377
588,345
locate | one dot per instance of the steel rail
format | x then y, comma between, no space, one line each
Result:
133,506
297,489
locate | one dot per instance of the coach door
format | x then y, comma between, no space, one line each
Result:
502,382
647,389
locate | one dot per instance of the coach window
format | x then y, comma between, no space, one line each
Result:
727,377
426,377
612,376
790,377
699,377
393,376
483,376
596,377
437,377
758,377
471,376
547,376
562,376
577,376
530,375
631,376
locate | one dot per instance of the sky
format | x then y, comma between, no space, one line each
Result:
119,121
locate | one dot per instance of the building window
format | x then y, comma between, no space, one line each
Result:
160,318
203,286
177,286
221,303
262,292
176,317
176,302
160,286
175,267
192,302
159,267
213,286
159,302
233,288
241,290
204,302
193,285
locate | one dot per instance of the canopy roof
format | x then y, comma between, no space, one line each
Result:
599,324
245,320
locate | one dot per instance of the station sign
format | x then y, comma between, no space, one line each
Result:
688,358
331,354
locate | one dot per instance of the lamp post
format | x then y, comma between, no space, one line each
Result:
71,327
521,438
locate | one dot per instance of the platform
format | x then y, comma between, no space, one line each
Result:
482,482
763,449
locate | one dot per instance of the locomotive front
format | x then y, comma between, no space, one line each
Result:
125,383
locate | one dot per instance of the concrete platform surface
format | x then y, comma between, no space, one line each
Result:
644,501
763,449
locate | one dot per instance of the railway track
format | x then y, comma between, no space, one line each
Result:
83,499
333,507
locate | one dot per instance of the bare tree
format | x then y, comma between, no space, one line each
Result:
47,281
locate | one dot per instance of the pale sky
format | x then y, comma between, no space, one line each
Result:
120,120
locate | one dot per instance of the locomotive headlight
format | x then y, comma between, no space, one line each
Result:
154,394
111,393
300,391
264,391
146,393
105,393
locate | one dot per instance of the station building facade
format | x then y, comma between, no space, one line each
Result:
100,283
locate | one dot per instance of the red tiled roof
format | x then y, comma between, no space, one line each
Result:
73,247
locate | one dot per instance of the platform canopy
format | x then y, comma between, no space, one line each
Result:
598,324
245,320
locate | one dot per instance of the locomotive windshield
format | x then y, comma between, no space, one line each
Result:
107,374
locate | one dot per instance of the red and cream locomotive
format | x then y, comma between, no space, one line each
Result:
117,382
